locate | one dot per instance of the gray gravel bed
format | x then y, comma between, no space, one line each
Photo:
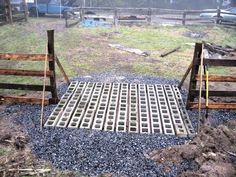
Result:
94,152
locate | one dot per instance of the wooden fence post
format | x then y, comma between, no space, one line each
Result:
25,10
51,51
149,16
218,15
116,18
66,19
184,18
8,11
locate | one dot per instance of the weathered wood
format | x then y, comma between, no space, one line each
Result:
17,99
25,10
220,93
185,75
24,73
194,105
217,62
62,71
51,51
194,71
25,57
215,78
170,52
24,87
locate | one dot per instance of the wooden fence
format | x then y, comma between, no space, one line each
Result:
51,59
10,16
183,16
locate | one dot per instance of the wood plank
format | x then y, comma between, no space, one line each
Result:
17,99
194,105
217,62
24,57
24,87
195,93
215,78
24,73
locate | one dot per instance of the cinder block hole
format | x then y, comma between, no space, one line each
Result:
133,129
166,121
62,123
144,130
85,125
99,116
157,131
144,119
121,129
143,115
111,113
168,126
169,131
66,114
73,124
52,118
156,125
109,127
133,124
177,121
144,125
164,111
110,117
121,123
155,116
64,119
155,120
98,121
109,123
77,115
180,126
122,113
97,126
133,114
89,115
75,120
50,122
100,112
68,110
122,118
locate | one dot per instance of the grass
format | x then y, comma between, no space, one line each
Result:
2,151
83,51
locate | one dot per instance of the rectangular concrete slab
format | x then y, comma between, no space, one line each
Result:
133,108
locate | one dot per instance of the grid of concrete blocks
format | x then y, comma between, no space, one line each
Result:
122,107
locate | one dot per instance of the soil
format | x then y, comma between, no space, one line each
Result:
211,153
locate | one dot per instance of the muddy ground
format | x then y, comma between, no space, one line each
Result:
211,152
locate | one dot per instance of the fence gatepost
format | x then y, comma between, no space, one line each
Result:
51,51
184,18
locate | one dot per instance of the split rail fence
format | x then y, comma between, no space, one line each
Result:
152,15
51,59
195,78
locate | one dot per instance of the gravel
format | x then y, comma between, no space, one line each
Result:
94,152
